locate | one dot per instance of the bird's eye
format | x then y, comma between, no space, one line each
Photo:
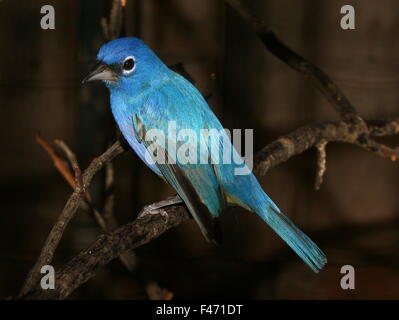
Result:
128,64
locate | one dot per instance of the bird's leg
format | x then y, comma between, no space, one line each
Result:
157,207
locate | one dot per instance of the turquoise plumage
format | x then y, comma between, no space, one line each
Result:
147,95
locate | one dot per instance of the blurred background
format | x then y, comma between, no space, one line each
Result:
353,218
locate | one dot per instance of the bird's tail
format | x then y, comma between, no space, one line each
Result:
295,238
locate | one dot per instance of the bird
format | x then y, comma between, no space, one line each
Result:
146,96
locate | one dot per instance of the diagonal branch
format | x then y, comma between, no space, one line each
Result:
322,81
66,215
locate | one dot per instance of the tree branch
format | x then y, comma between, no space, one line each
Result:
150,226
308,136
55,235
322,81
113,25
132,235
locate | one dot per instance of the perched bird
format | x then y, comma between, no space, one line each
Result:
147,95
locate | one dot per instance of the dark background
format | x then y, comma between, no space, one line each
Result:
354,217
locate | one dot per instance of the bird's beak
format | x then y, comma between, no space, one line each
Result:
100,71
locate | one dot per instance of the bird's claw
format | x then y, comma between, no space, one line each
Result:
149,210
158,207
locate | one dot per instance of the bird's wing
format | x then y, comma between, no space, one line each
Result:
196,183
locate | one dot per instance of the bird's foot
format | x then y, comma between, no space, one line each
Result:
158,207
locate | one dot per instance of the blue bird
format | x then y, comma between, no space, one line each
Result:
147,95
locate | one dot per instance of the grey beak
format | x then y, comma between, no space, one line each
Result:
100,71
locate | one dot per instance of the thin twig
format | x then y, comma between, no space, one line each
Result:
378,148
98,163
58,162
321,163
73,161
113,25
87,201
61,166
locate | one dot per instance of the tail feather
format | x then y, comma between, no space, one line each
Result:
305,248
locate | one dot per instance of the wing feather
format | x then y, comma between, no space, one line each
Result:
196,183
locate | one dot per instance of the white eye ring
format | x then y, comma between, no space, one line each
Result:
129,64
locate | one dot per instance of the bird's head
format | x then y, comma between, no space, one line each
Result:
124,62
